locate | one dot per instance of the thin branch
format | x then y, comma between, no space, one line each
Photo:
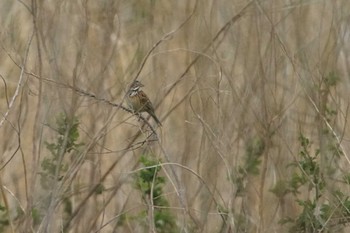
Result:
222,31
6,95
20,81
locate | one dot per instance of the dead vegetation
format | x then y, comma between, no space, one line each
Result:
253,97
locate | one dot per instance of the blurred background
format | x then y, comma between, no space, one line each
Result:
253,97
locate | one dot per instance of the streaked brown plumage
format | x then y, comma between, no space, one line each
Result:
139,102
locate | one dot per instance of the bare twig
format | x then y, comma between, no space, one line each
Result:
20,82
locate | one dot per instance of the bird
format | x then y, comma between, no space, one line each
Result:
139,102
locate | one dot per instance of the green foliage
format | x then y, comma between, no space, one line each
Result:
4,222
330,148
281,188
316,215
254,149
314,172
67,206
68,135
346,179
307,220
100,189
66,142
36,216
151,185
242,223
309,169
145,182
53,166
331,79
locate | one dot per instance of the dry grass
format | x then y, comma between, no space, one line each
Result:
223,75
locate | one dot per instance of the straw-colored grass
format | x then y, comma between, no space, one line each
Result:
230,80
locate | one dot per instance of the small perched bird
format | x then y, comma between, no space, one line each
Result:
139,102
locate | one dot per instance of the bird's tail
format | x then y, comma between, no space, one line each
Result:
155,118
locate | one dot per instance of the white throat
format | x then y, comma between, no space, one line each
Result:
134,91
